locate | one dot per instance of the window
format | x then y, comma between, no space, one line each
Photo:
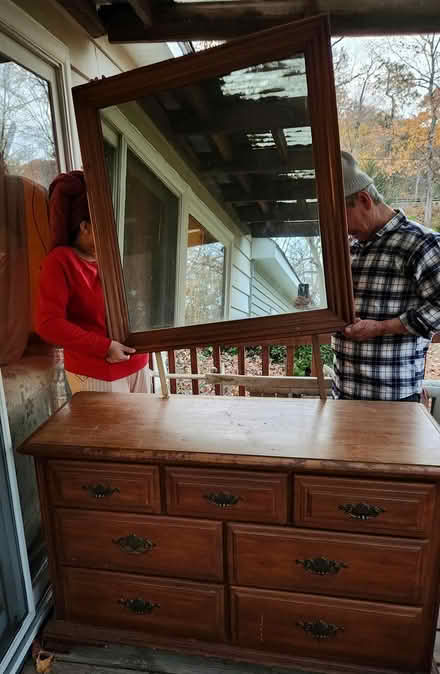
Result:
150,247
205,276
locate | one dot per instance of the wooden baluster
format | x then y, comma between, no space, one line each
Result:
265,365
172,369
152,367
317,364
217,364
241,368
290,361
194,370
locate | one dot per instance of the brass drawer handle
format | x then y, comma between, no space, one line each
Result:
100,490
361,511
322,566
319,629
222,499
138,606
135,545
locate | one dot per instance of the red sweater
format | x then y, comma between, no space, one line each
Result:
71,314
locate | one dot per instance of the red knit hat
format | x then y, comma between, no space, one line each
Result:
68,207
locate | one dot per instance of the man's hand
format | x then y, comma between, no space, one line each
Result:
118,352
361,330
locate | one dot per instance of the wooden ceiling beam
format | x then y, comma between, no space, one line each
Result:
142,9
304,228
272,191
248,116
227,20
263,162
84,12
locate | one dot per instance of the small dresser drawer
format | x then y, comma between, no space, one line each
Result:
167,546
366,633
400,508
227,494
351,565
143,604
104,486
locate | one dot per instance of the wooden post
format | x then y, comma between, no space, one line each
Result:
162,376
316,356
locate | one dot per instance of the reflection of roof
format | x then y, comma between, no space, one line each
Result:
247,134
271,262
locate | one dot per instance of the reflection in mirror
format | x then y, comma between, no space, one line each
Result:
215,199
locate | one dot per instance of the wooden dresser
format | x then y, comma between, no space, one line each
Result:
284,532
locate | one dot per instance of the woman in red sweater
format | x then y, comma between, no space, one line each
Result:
71,309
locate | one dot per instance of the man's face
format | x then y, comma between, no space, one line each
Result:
359,216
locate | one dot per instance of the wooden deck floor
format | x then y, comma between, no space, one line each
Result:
128,660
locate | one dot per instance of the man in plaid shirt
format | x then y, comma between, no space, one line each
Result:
396,284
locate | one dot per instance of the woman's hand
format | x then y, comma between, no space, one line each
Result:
118,352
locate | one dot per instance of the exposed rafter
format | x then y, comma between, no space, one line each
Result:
84,12
226,20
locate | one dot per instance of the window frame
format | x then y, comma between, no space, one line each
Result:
310,37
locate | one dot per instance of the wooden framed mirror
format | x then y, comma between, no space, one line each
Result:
215,189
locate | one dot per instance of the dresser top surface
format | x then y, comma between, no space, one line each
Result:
247,431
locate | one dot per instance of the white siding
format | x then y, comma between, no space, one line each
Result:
265,300
240,278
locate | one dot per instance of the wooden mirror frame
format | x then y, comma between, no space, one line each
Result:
310,37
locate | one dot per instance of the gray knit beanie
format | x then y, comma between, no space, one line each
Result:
355,180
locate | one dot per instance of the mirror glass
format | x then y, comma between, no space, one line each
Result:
215,199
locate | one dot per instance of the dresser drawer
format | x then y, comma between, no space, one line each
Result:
104,486
367,567
149,605
322,627
401,508
227,494
167,546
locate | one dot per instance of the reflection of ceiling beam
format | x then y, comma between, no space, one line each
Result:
261,115
272,191
283,228
300,211
263,161
226,20
84,12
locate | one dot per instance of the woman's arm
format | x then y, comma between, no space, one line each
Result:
52,324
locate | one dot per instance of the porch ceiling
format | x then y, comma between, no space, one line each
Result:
168,21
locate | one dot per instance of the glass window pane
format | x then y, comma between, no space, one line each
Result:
28,164
150,247
27,139
13,604
205,276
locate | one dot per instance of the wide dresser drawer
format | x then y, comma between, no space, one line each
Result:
183,548
143,604
109,486
227,494
326,627
399,508
366,567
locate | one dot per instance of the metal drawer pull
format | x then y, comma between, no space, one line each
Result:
139,606
135,545
222,499
361,511
322,566
319,629
100,490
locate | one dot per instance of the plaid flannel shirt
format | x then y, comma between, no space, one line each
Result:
395,274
